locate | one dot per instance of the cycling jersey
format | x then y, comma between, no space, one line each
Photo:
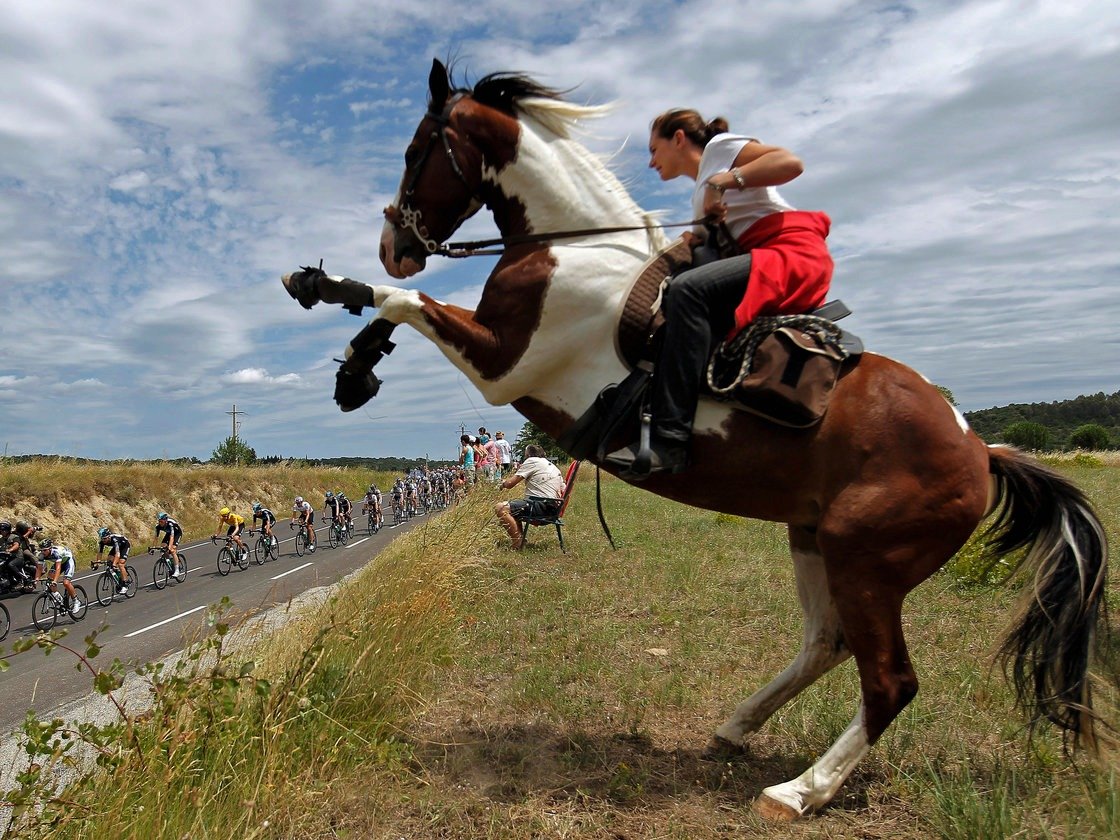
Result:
331,506
266,517
172,528
61,556
117,544
346,505
231,519
304,510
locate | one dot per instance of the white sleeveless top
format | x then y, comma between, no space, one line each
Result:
744,207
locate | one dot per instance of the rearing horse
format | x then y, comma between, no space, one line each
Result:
877,497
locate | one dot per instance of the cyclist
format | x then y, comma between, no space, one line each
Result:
398,498
302,511
235,525
171,538
372,504
118,546
331,506
62,560
345,510
267,518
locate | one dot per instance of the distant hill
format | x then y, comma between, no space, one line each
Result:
1061,418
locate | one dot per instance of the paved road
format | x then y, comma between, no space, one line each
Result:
155,623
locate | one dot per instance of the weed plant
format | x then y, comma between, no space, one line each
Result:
458,689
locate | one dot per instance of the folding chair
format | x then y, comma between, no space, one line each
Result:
553,519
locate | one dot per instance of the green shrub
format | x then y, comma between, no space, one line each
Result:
1090,436
1025,435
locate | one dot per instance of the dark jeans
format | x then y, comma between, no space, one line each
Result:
699,311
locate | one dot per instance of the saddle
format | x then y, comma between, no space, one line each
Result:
782,368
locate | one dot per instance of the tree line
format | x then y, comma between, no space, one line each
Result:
1085,422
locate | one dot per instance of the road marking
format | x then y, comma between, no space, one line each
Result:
359,542
161,623
296,569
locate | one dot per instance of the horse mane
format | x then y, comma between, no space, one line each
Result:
514,93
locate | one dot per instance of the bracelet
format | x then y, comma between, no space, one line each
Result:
739,180
716,187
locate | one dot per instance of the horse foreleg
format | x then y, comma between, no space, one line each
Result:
822,648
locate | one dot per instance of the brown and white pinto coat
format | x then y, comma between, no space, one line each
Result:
877,497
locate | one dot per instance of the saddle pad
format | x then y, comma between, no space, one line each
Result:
641,307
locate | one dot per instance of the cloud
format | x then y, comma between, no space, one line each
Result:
259,376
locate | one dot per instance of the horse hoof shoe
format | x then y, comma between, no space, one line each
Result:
720,749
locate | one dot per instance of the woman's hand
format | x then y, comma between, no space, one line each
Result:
714,208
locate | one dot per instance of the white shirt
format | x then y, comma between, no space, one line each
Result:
541,478
505,449
744,207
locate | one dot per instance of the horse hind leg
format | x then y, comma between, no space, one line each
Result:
869,602
822,648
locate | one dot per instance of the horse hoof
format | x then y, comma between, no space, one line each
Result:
773,810
302,286
720,749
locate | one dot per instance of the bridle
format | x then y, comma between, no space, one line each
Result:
405,217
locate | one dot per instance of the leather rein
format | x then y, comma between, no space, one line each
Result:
404,216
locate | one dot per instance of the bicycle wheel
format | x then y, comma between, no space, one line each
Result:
243,559
5,622
133,582
301,543
260,551
80,613
273,548
44,612
161,572
106,588
182,567
371,524
344,534
332,535
225,562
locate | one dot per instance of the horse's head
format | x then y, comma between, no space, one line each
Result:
442,179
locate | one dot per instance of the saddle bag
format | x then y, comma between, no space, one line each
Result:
791,378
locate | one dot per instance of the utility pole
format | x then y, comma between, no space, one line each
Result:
234,414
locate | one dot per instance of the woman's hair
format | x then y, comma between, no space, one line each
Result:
464,438
533,451
691,123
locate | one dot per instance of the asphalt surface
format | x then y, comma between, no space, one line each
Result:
156,622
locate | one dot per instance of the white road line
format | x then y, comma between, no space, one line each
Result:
296,569
161,623
359,542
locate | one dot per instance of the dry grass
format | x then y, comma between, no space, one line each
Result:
464,690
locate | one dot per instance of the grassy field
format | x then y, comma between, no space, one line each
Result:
459,689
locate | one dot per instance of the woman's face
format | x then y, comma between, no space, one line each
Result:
666,154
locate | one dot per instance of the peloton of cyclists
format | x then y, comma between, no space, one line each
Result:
305,515
267,518
118,546
235,525
172,534
62,565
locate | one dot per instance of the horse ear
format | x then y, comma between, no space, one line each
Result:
439,85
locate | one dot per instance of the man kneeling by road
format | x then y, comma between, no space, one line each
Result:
544,486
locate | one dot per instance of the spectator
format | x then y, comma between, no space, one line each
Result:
544,488
505,452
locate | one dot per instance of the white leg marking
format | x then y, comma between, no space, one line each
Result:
380,293
817,785
399,306
821,650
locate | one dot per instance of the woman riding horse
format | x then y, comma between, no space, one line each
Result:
783,254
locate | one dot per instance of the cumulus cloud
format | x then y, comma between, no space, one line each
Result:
259,376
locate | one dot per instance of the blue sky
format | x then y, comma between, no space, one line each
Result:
162,164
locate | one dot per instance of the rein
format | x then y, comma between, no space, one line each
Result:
484,247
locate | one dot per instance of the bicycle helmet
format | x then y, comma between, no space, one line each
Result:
44,545
224,512
256,507
5,525
299,500
102,533
162,516
372,487
330,495
21,526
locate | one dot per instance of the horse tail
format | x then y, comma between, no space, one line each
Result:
1047,650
